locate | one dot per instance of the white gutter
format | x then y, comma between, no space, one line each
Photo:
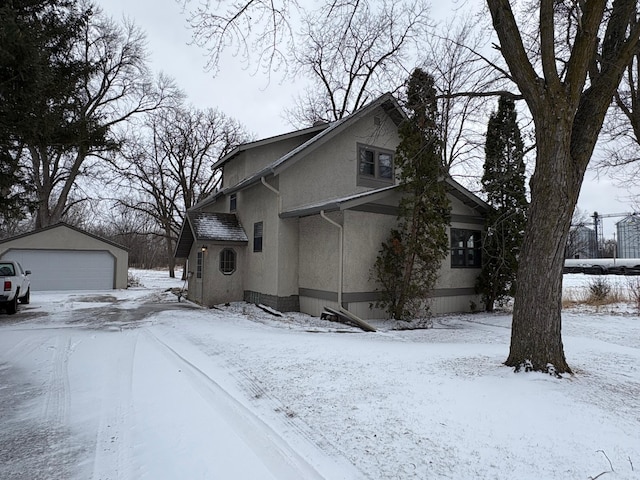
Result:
270,187
341,261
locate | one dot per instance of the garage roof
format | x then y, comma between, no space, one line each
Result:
63,224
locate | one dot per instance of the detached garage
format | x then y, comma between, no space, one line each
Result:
63,257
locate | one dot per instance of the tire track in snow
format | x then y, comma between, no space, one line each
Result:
113,449
56,404
275,453
290,417
55,410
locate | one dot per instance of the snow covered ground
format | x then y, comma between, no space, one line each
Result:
134,385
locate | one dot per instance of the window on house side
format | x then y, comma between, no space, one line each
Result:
257,236
367,162
199,265
227,261
466,248
385,165
375,166
233,202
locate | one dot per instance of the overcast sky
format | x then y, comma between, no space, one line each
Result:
258,102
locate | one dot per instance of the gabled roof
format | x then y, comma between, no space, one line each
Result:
63,224
209,227
465,196
266,141
326,132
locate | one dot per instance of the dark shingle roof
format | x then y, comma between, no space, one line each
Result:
217,227
208,227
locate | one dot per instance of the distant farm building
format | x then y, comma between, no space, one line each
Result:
629,237
581,243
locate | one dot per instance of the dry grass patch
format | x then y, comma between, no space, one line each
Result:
599,292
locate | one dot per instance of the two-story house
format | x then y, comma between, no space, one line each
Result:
300,218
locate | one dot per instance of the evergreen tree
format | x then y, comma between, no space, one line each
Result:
37,76
408,263
504,184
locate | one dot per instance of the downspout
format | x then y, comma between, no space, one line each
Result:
277,192
341,261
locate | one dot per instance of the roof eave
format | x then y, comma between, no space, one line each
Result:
465,196
265,141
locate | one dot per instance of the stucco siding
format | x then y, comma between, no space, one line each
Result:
252,160
319,253
364,233
214,287
331,170
288,254
363,236
259,205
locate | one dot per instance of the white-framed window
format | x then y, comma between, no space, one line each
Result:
233,202
227,261
375,166
199,264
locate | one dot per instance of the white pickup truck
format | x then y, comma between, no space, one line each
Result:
16,285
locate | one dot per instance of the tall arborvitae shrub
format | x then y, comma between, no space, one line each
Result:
503,182
408,263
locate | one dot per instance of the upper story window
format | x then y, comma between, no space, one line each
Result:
466,248
375,166
233,202
257,236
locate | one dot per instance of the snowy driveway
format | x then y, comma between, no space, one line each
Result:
133,385
89,390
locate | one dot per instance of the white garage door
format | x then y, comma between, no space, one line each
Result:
66,269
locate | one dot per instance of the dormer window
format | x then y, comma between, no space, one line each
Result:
375,166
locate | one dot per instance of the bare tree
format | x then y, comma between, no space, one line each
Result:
621,158
351,51
568,88
462,78
170,167
134,230
114,87
354,51
581,240
258,31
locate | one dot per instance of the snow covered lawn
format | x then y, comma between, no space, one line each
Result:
132,384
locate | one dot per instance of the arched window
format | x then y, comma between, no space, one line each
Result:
227,261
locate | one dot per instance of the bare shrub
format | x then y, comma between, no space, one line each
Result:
600,292
633,289
133,280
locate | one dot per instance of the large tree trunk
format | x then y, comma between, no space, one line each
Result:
568,109
170,258
536,329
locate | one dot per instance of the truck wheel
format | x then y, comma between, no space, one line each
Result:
27,297
12,306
